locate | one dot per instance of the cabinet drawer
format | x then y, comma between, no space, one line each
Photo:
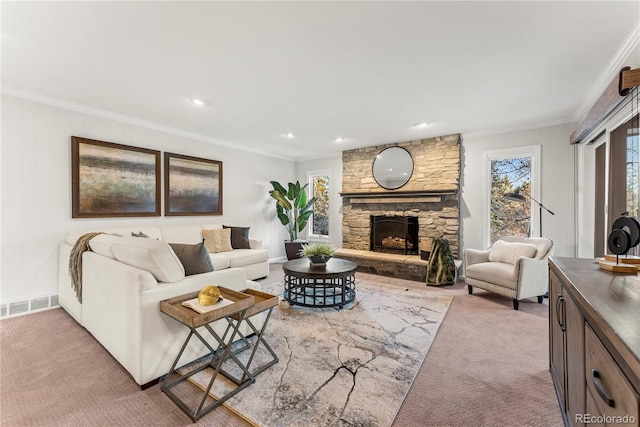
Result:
608,386
595,417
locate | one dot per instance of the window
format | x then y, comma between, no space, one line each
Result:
632,172
624,165
510,217
510,171
319,187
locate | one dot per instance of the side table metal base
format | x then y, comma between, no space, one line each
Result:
247,344
215,363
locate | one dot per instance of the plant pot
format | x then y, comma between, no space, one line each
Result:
318,260
292,248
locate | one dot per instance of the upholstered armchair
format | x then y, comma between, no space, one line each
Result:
516,267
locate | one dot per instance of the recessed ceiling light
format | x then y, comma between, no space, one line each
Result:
289,134
198,101
339,139
421,125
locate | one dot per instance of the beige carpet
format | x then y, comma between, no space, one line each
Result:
488,366
336,366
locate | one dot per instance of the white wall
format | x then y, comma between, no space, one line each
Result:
557,183
36,189
333,164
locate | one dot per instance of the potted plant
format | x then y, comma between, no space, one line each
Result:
318,254
293,210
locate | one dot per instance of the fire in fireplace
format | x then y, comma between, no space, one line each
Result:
394,234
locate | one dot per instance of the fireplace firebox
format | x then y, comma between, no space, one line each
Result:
394,234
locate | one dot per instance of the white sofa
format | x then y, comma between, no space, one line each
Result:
120,302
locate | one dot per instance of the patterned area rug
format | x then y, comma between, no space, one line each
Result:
349,367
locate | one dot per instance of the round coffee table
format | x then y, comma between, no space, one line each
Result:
333,285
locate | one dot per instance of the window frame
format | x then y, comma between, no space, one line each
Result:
532,151
311,175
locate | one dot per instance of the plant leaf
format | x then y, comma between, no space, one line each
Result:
281,199
278,187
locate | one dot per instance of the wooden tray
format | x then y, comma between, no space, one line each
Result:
173,307
617,268
262,301
624,259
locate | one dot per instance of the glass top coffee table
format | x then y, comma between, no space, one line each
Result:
332,285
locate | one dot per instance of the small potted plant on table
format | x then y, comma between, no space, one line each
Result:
318,254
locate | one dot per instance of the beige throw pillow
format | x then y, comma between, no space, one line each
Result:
509,252
217,240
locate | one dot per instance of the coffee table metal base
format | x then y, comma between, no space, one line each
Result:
320,292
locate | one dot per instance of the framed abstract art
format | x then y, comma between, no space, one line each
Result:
192,185
113,180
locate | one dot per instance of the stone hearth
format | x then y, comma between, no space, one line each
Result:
409,267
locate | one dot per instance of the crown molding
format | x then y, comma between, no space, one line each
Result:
84,109
500,131
611,72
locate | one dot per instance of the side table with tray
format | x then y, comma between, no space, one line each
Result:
236,308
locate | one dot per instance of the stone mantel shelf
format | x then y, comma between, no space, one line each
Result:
398,196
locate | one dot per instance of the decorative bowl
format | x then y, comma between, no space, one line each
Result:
318,260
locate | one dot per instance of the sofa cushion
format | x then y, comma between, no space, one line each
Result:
239,237
242,257
509,252
152,231
189,234
220,261
101,244
217,240
194,258
154,256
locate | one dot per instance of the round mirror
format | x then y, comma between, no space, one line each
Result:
392,168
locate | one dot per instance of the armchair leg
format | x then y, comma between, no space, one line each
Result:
540,299
470,289
516,304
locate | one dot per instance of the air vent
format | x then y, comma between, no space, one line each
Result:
28,306
39,303
18,307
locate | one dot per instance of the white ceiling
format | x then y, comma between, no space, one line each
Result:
365,71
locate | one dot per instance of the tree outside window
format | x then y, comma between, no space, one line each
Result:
633,171
507,217
320,217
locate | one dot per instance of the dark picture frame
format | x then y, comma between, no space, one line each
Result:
192,185
114,180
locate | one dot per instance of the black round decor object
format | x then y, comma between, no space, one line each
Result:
631,226
619,242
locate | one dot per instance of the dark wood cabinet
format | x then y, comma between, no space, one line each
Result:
594,343
566,350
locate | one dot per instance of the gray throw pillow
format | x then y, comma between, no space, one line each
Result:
194,258
239,237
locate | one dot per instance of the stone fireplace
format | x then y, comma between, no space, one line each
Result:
430,196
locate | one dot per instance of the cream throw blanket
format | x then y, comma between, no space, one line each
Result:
75,262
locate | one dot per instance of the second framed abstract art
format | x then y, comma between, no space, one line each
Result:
192,185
